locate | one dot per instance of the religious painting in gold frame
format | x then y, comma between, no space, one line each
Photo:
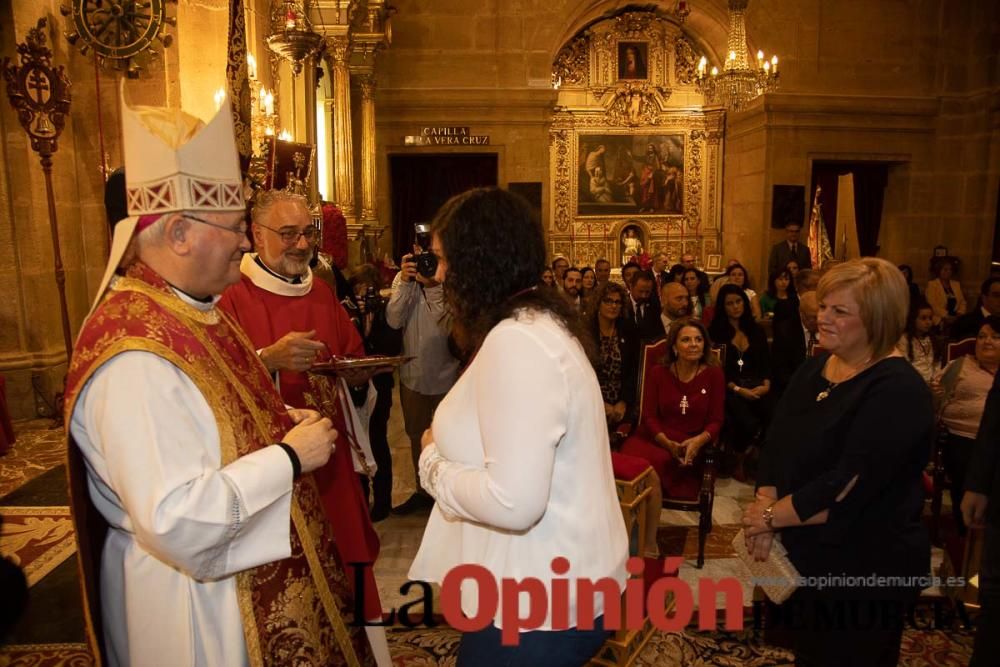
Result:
630,174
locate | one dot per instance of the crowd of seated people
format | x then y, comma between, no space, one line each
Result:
758,363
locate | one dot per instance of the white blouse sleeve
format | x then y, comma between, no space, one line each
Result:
521,400
151,440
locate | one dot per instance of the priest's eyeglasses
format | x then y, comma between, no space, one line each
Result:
240,229
290,236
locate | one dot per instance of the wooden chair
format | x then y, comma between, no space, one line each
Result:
632,482
939,478
703,499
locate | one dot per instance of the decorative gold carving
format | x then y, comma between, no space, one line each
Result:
572,62
635,104
685,61
634,25
602,104
692,179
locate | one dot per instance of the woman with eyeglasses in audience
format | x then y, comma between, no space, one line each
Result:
618,350
961,388
617,373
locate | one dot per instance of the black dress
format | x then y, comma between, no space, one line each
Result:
747,419
876,427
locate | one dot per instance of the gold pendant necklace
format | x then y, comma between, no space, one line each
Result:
831,385
826,392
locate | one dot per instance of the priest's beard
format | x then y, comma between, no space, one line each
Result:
293,263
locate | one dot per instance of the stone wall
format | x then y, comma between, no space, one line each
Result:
32,353
908,82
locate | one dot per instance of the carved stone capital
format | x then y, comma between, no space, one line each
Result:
338,49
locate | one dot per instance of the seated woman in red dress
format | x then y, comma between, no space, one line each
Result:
682,410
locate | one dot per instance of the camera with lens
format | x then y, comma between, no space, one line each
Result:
427,262
372,300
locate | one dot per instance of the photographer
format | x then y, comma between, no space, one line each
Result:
366,308
417,307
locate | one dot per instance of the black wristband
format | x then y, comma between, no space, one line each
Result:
294,458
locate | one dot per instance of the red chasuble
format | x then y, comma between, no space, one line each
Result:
266,316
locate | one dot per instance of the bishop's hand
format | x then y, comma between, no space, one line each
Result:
313,441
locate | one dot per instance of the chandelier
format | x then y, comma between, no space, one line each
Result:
738,83
293,37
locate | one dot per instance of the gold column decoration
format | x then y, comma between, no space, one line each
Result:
343,152
369,215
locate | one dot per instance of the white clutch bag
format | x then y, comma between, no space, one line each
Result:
776,576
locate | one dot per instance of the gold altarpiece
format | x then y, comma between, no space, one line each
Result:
632,149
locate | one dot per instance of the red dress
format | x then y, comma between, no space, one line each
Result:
266,317
704,396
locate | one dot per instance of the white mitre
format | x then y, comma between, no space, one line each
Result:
173,162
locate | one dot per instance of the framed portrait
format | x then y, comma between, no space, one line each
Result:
713,263
633,60
630,174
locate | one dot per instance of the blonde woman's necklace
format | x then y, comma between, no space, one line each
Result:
831,385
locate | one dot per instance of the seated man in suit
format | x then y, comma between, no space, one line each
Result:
640,311
789,249
968,325
793,341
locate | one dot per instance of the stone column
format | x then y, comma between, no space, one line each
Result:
343,152
369,215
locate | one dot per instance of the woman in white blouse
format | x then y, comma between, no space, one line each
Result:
517,456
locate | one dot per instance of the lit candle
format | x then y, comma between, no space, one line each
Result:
774,64
268,103
251,67
760,56
285,135
702,64
220,96
269,131
767,67
715,71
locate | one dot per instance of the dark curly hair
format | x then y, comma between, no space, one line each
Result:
721,330
494,247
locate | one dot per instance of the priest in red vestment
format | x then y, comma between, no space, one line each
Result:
295,321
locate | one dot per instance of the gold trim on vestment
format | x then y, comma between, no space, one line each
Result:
325,594
169,300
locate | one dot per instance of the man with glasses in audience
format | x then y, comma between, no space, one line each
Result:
295,321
